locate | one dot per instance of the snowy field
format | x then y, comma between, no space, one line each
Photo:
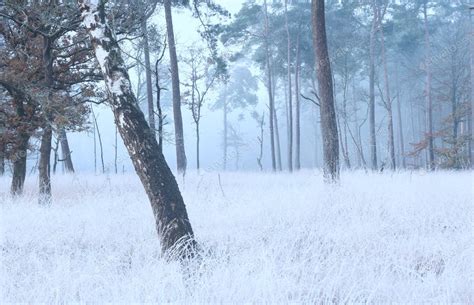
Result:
375,238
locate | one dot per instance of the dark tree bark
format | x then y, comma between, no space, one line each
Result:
327,110
471,105
373,139
172,221
2,159
178,120
66,152
19,165
19,157
44,169
55,155
158,100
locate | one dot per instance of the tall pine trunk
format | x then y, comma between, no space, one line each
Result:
225,135
269,87
172,221
298,106
327,109
373,138
46,139
400,123
2,159
388,99
149,88
290,94
178,119
277,141
277,129
471,105
429,100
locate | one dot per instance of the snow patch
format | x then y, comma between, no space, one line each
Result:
271,238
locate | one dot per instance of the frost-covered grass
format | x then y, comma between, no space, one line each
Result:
404,237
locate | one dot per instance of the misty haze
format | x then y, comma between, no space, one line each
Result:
236,151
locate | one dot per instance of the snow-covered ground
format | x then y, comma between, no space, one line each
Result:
404,237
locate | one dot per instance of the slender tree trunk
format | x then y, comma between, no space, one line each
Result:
115,150
95,142
344,142
66,152
2,159
225,137
158,104
290,94
429,101
298,106
100,142
44,166
328,114
277,140
46,139
19,165
400,123
357,140
373,139
471,105
172,221
269,85
388,101
178,120
277,126
197,146
260,142
149,88
56,155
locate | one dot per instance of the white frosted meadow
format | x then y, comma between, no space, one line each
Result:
375,238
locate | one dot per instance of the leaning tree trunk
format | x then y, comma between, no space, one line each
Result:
327,111
178,119
172,221
66,152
